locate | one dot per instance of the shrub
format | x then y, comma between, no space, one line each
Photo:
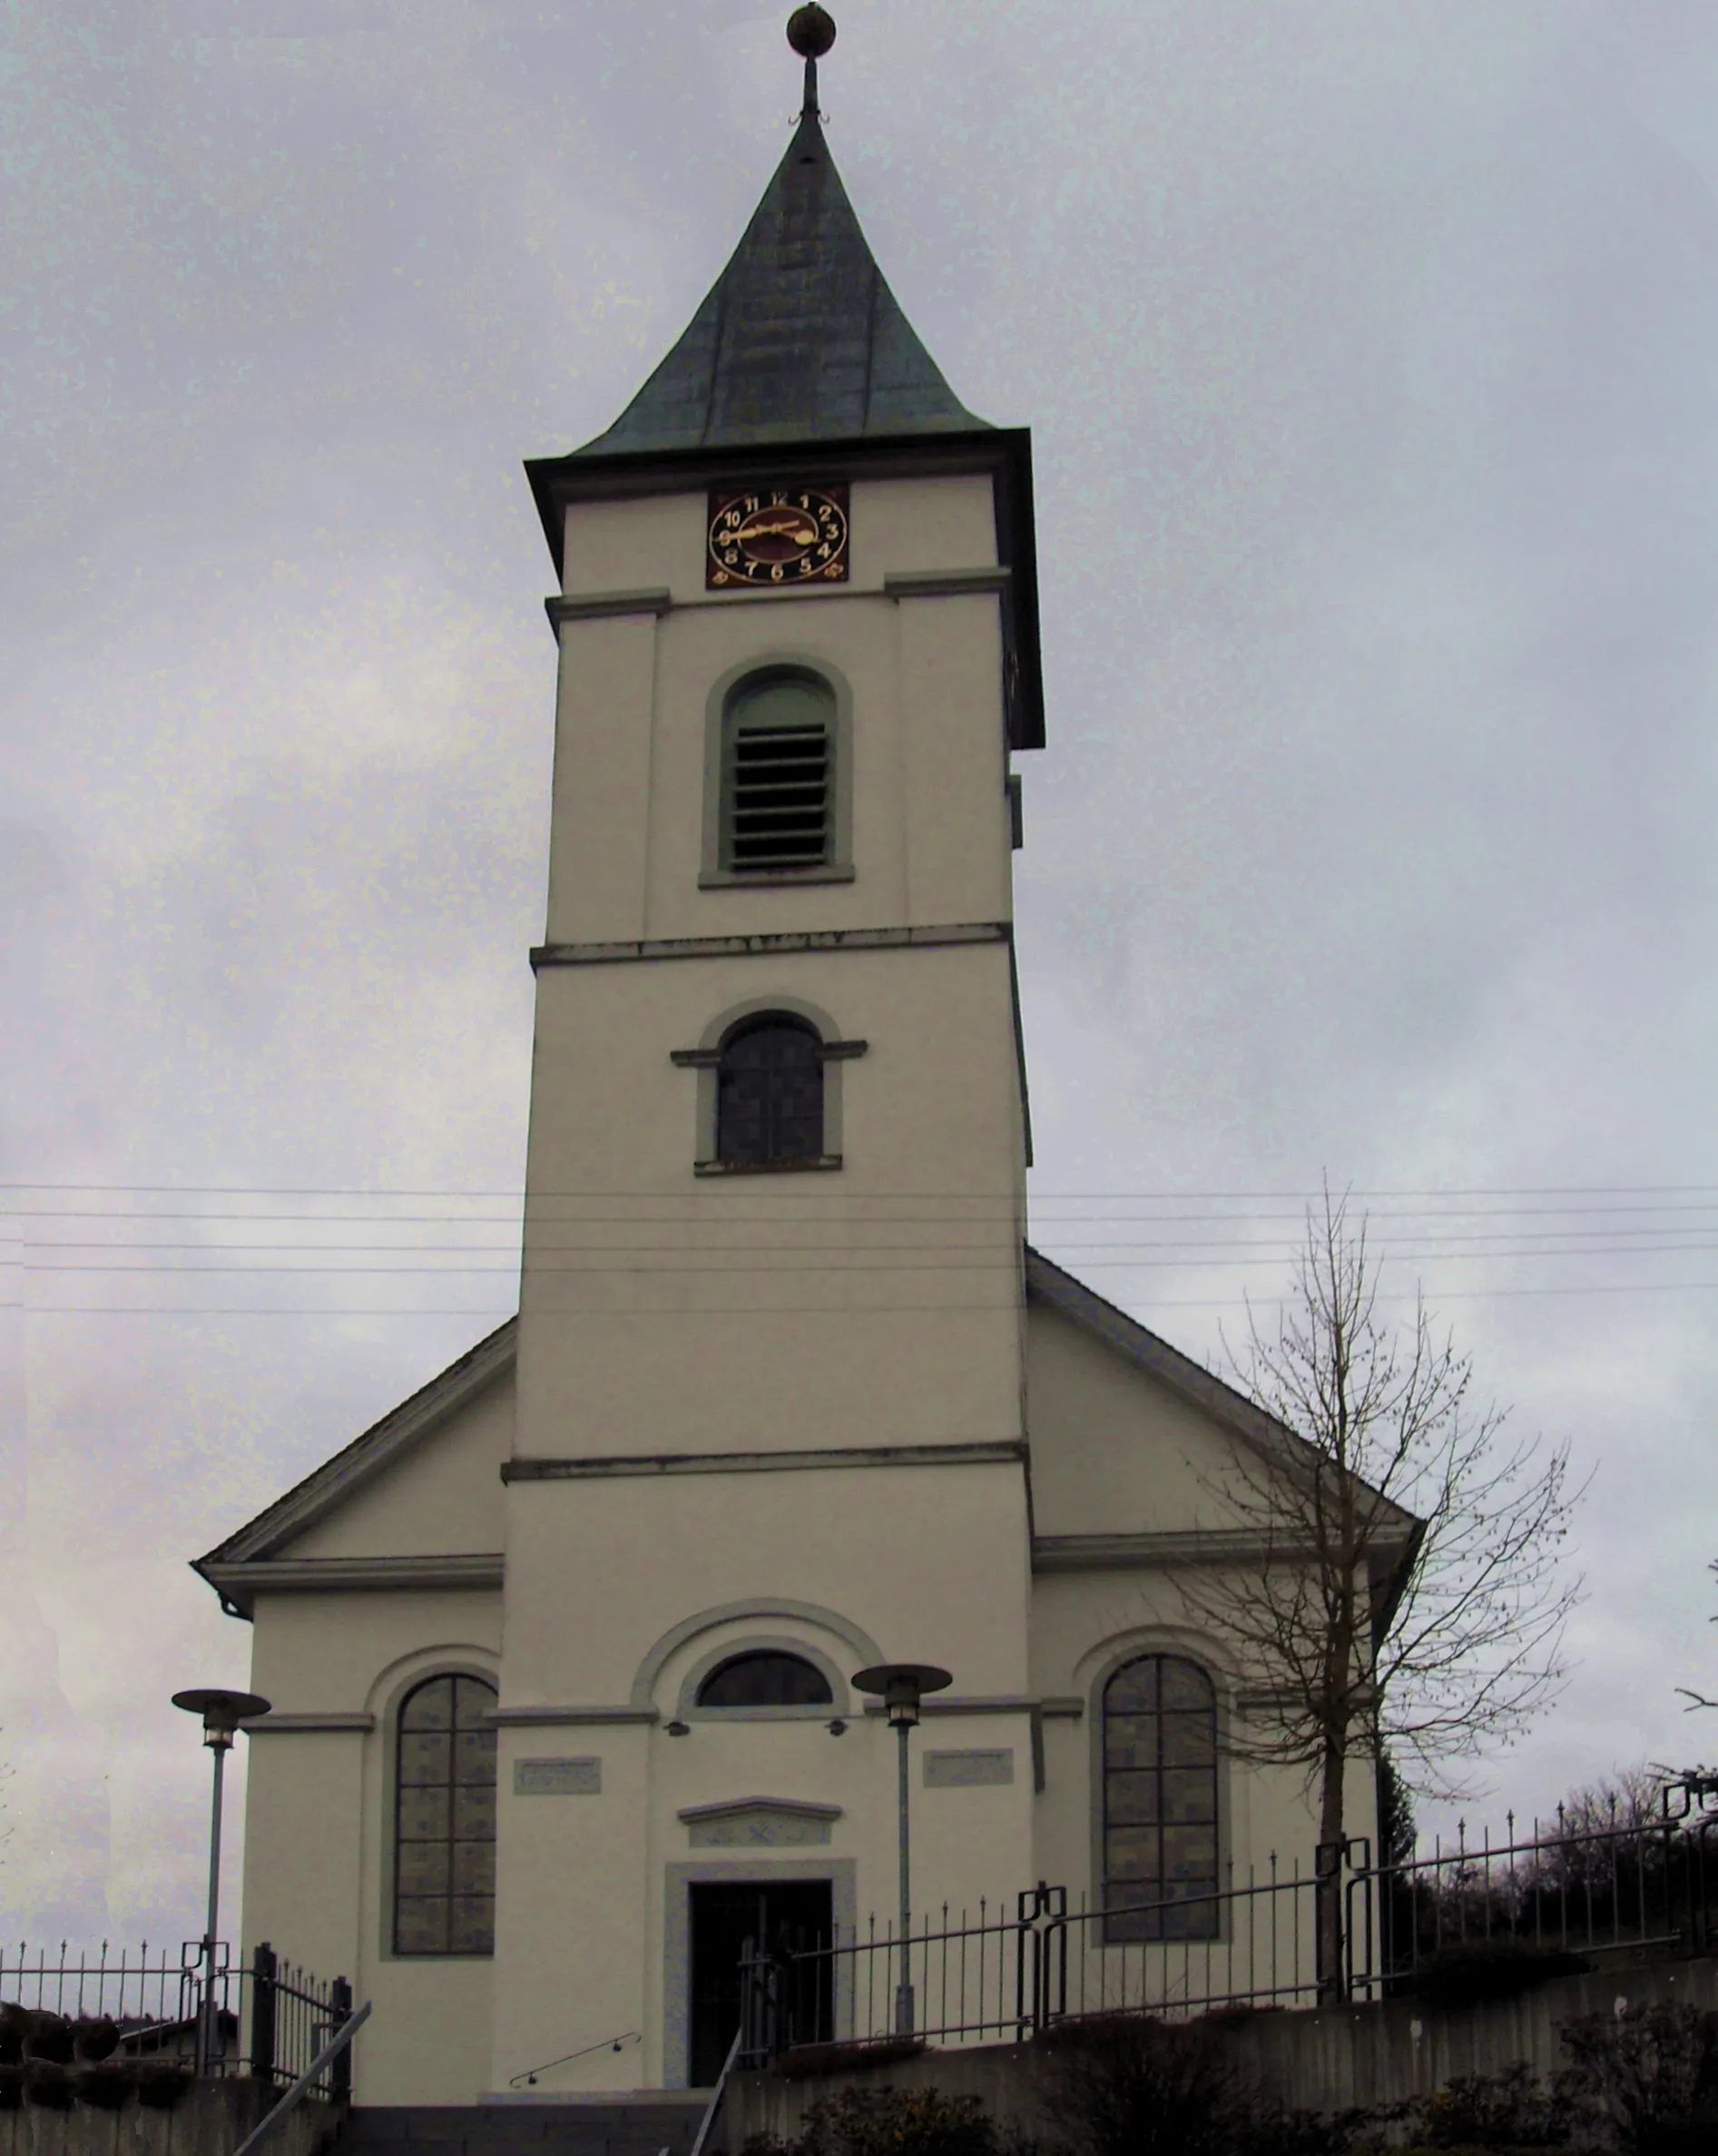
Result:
1492,2110
15,2024
48,2036
47,2083
1127,2085
161,2084
105,2087
887,2122
97,2038
11,2086
1646,2077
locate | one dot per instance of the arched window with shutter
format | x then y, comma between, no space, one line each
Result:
769,1094
1159,1836
778,773
445,1818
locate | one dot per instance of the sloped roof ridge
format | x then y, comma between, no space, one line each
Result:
371,1451
798,340
1148,1351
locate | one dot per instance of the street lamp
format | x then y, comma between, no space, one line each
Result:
221,1713
901,1685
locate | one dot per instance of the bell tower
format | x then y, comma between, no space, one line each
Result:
775,1197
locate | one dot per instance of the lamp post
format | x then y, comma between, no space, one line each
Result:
901,1685
221,1712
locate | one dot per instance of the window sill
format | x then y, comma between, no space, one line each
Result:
832,872
810,1165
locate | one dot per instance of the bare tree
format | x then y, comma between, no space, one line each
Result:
1697,1700
1399,1578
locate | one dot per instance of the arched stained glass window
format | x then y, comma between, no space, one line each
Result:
769,1094
444,1819
764,1676
1160,1801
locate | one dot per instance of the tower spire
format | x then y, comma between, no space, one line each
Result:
810,32
799,339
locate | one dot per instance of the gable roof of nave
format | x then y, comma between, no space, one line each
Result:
327,1487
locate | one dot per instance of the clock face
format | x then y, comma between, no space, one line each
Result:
777,537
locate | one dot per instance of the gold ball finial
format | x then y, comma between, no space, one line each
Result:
811,31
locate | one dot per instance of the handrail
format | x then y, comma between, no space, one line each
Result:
718,2093
611,2043
319,2065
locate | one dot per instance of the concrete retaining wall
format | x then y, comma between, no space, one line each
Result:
1327,2061
211,2119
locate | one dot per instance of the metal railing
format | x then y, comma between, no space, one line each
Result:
974,1980
1574,1887
1256,1943
1581,1886
268,2019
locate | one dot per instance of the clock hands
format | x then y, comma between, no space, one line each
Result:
796,532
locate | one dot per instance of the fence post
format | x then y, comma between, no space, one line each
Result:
265,1970
340,2013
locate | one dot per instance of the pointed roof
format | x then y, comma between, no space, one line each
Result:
799,339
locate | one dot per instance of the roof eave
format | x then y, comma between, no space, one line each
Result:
1004,452
366,1456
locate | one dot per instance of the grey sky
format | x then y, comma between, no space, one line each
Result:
1369,352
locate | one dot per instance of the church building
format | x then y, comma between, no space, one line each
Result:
562,1652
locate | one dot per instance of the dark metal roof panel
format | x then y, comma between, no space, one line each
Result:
799,339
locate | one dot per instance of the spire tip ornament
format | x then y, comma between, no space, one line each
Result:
811,31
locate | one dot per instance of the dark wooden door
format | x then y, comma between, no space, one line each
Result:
781,1916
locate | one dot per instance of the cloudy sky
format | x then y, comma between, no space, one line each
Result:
1369,353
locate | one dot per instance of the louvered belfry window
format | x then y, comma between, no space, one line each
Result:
1160,1801
444,1819
778,779
769,1095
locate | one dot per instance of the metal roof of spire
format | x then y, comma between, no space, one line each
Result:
799,339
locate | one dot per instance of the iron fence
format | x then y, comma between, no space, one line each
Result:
967,1978
1254,1942
1572,1887
268,2018
1572,1884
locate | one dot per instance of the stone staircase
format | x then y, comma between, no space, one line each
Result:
641,2125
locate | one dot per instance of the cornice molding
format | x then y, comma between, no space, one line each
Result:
1143,1553
971,1703
602,606
307,1725
240,1582
931,938
1000,1452
946,584
567,1717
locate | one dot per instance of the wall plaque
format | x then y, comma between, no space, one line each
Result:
557,1777
968,1770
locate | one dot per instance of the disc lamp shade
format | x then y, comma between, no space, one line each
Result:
223,1712
901,1685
